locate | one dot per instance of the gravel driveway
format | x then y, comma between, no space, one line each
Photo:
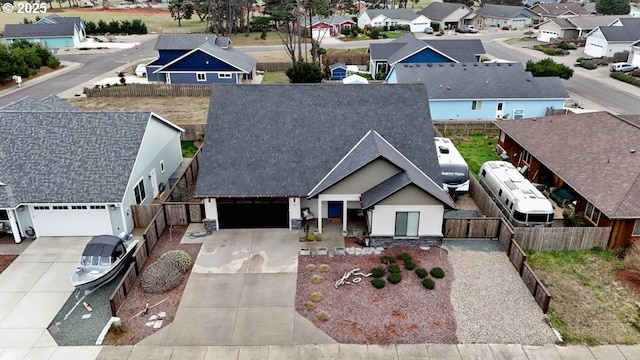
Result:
491,303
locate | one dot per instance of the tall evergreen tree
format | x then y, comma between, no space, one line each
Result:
612,7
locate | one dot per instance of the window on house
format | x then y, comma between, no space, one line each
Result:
224,76
476,105
201,76
407,223
636,229
592,213
139,193
526,157
162,166
518,113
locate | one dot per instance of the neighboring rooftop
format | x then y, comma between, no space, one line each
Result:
458,50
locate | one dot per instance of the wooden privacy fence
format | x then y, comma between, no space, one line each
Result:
274,66
479,228
562,238
141,90
150,237
466,127
482,199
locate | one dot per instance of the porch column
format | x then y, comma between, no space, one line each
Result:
14,227
319,216
344,215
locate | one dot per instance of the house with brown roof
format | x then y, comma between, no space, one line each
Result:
560,10
594,157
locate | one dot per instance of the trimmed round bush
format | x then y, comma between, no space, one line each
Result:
310,305
179,258
324,268
160,276
378,272
316,296
437,273
316,279
311,267
393,268
422,273
428,283
386,259
323,315
394,278
404,257
378,283
409,265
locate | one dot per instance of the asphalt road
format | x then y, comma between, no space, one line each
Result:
609,98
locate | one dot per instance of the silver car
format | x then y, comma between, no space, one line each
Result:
622,67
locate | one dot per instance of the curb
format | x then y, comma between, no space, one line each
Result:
68,66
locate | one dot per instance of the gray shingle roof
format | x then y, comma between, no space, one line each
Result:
439,10
184,41
282,140
50,103
629,31
333,20
231,56
505,11
62,19
555,9
476,81
404,14
370,148
51,157
592,22
461,50
17,31
591,153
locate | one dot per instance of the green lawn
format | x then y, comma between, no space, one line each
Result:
188,149
476,149
275,77
393,34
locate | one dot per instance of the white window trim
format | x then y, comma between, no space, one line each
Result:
589,214
476,105
140,182
224,75
636,228
520,114
200,76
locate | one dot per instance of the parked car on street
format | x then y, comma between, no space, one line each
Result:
622,67
461,29
472,29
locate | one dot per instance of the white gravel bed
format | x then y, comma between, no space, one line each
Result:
491,304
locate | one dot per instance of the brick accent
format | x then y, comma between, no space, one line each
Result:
296,224
389,241
210,225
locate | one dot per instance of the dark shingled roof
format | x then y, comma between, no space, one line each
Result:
49,103
480,80
591,152
555,9
460,50
628,32
189,41
17,31
439,10
230,56
65,157
505,11
282,140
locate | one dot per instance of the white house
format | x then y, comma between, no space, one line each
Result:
612,39
379,18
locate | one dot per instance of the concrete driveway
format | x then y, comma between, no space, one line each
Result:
242,292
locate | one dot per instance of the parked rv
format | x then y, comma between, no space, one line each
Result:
520,201
455,172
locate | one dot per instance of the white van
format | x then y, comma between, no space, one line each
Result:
141,71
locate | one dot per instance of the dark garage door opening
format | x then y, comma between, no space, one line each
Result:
248,213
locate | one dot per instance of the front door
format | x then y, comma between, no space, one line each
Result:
335,210
154,182
500,110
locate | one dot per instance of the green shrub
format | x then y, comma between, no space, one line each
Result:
378,272
437,273
179,258
587,65
404,257
394,278
165,273
409,265
422,273
378,283
506,28
626,78
566,46
428,283
393,268
387,260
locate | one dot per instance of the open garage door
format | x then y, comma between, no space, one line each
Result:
253,213
70,220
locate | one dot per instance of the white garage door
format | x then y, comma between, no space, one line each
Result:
595,47
321,33
68,220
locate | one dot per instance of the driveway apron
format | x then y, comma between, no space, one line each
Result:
242,292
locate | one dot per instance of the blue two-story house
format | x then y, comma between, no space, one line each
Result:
409,49
199,59
482,91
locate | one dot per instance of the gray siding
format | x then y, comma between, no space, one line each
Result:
364,179
410,195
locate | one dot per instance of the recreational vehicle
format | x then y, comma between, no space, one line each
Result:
519,200
455,172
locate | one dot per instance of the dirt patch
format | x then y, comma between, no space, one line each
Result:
134,328
5,261
178,110
630,279
404,313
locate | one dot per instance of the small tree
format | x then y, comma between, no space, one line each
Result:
304,72
181,9
612,7
548,67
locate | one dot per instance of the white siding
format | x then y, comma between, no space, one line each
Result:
384,219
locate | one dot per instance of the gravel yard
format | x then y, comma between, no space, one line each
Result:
491,303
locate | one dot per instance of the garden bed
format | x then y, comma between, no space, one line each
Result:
403,313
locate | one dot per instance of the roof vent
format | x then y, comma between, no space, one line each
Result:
443,149
633,151
417,65
429,65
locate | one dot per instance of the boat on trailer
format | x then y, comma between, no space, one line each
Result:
102,259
